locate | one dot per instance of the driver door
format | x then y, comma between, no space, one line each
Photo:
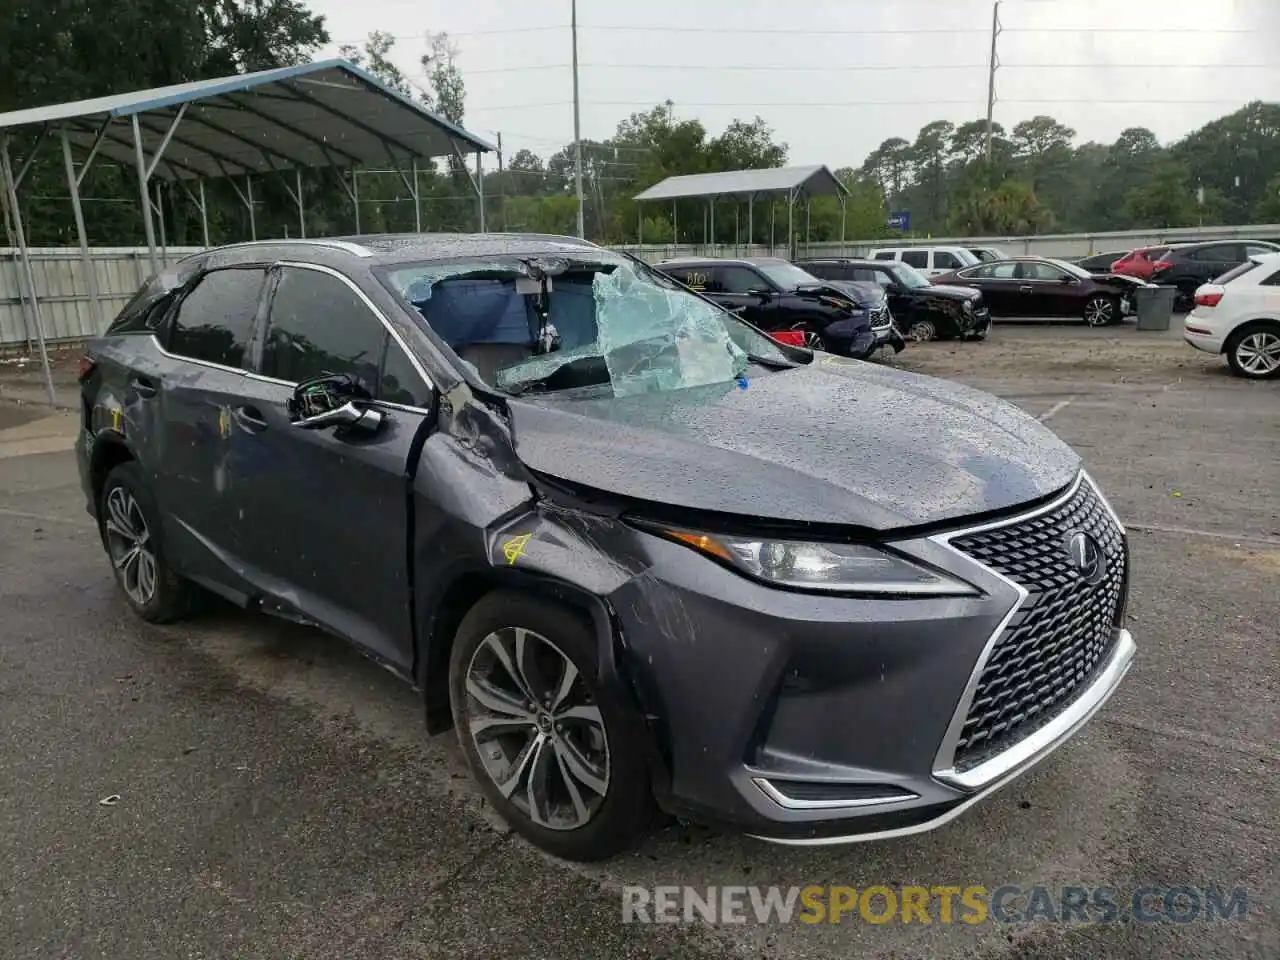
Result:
326,523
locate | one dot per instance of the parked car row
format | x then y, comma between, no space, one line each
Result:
1184,265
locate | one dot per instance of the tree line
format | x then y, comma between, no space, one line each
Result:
1037,178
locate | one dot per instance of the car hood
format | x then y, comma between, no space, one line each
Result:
865,293
950,293
837,441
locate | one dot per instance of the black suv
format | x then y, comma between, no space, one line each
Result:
849,319
1191,265
627,546
921,310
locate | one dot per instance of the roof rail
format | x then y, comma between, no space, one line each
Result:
345,245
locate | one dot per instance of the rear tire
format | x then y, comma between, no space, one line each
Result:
131,532
1253,351
564,757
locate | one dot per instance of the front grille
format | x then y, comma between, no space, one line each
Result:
1061,634
880,317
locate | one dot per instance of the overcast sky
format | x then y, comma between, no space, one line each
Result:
866,70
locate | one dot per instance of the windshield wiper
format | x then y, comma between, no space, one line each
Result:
774,362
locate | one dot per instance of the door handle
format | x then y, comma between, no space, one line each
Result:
250,419
143,387
1025,288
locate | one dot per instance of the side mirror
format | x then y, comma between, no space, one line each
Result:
349,416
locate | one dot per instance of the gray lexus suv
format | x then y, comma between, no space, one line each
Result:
635,553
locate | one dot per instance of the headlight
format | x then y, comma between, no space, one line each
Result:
836,567
968,306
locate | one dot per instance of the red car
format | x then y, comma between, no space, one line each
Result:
1140,263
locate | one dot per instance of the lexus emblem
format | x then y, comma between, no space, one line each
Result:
1087,557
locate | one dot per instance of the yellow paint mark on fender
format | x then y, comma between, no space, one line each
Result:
514,548
224,423
117,417
831,360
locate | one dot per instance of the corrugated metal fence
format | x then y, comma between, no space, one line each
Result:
67,312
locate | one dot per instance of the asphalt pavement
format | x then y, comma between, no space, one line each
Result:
278,797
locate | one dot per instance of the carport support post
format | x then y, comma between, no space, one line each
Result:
791,224
355,196
164,240
843,203
711,209
86,263
751,197
639,226
144,195
302,213
248,201
26,274
204,215
417,196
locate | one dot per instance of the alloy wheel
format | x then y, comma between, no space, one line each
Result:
921,331
1098,312
536,728
1259,353
129,545
812,339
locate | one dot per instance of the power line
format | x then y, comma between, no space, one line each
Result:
760,105
909,31
752,68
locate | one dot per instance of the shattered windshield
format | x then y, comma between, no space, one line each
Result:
560,324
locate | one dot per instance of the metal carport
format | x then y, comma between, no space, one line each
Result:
324,114
794,182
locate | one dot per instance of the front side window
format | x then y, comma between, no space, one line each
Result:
737,280
945,261
1035,270
318,326
1222,253
215,319
784,275
992,271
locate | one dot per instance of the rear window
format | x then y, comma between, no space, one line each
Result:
1235,272
144,313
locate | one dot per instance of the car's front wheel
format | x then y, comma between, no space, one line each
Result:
813,338
560,757
922,331
1253,351
130,526
1101,311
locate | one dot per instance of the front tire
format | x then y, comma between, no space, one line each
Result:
559,756
922,331
1101,311
813,339
1253,351
130,527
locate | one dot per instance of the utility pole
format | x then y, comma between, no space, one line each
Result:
577,123
502,188
991,75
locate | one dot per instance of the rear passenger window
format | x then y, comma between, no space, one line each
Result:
1224,253
916,258
215,319
1272,281
319,326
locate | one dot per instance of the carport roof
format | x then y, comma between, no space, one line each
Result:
328,113
815,181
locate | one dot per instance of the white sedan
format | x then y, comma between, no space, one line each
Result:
1239,315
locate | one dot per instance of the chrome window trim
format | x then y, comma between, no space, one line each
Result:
791,803
1027,749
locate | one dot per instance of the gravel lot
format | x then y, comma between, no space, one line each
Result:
279,799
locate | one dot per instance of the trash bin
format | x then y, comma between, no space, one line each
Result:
1154,306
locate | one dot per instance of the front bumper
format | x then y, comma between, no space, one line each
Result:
808,719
